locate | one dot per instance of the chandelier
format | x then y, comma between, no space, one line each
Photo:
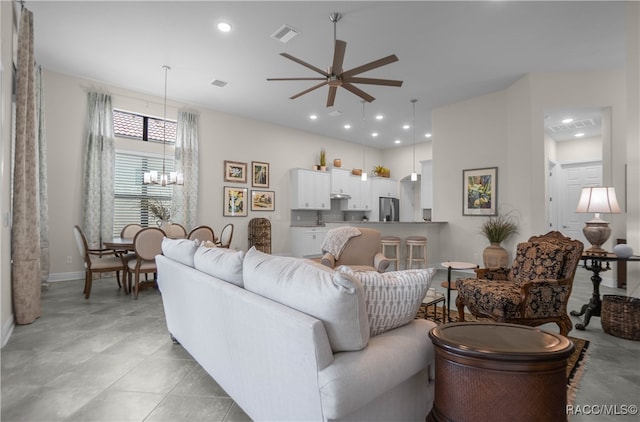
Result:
164,178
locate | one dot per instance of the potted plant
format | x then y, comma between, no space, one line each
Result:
382,171
159,210
497,229
323,159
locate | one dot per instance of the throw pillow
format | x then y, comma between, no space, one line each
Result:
334,298
222,263
180,250
392,298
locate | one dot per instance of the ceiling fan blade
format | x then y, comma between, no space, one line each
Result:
305,64
338,56
296,79
332,95
373,81
370,66
308,90
360,93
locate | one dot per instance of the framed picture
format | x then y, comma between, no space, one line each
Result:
263,200
235,172
480,191
235,202
259,174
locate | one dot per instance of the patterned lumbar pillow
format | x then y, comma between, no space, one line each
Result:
392,298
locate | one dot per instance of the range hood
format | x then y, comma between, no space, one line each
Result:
340,196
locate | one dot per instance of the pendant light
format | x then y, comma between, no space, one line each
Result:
164,179
414,175
363,177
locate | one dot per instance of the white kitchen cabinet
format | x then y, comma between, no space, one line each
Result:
310,189
306,242
360,192
340,181
384,186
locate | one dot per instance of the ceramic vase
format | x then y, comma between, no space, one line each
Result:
495,256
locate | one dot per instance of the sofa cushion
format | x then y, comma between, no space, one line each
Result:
335,298
392,298
180,250
222,263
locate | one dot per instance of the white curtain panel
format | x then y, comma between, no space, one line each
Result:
99,168
184,206
42,177
25,230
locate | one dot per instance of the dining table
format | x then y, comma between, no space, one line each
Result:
119,244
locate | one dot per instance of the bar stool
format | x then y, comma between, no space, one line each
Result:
416,242
394,243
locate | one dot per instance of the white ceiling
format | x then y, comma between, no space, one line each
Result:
448,52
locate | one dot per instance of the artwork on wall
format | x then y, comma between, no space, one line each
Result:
260,174
480,191
235,172
235,202
263,200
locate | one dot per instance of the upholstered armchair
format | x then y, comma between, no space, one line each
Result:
358,248
534,291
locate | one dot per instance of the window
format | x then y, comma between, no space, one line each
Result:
143,128
129,192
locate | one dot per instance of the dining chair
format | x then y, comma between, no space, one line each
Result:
147,243
96,261
225,236
202,233
176,231
130,230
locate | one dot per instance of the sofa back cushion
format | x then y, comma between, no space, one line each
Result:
181,250
222,263
537,261
334,298
392,298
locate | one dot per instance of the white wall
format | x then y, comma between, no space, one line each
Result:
505,129
579,150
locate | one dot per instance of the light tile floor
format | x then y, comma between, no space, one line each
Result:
110,358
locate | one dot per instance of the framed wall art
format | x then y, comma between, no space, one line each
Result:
259,174
235,172
480,191
263,200
235,202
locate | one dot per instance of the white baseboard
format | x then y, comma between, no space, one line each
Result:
7,330
76,275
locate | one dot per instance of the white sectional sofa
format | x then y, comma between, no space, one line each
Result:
289,339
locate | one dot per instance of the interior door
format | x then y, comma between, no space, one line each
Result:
574,178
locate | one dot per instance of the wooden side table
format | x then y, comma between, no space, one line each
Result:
499,372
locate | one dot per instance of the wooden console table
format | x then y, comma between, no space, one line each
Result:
596,264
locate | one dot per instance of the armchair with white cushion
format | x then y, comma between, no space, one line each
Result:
358,248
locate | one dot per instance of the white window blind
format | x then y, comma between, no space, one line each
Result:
129,192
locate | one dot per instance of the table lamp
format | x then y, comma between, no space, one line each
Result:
599,199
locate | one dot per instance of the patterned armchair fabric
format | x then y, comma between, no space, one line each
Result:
534,291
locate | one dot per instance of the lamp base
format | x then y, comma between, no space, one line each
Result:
596,232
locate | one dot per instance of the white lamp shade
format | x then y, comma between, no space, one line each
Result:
601,199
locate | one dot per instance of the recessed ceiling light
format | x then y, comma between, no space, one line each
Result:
397,141
405,127
427,135
347,126
567,120
379,117
374,134
579,135
313,116
224,27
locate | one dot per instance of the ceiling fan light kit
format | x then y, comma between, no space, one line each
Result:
335,77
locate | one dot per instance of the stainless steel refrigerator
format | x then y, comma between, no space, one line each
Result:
389,209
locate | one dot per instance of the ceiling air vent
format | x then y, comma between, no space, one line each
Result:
218,82
284,33
578,124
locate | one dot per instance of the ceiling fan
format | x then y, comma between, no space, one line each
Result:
335,77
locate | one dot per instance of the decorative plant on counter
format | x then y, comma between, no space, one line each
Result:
382,171
323,159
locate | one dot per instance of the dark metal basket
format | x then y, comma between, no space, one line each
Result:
621,316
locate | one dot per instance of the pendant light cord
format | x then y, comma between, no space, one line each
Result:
413,102
164,121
